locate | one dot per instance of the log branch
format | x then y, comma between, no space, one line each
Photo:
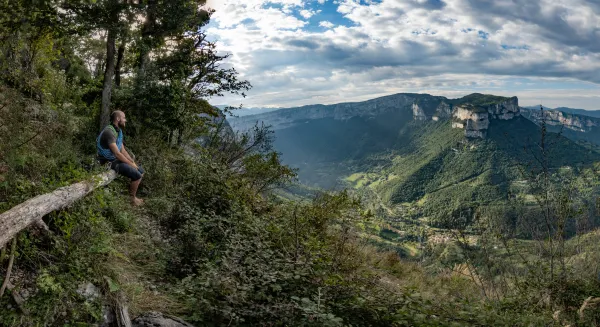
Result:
13,249
29,212
19,300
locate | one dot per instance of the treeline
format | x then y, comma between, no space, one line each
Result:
148,58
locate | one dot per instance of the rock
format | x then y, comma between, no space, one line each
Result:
574,122
157,319
505,110
473,119
108,317
443,111
218,124
88,291
418,112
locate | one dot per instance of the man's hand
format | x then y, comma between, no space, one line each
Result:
120,156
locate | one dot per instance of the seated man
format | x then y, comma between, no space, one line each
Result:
111,149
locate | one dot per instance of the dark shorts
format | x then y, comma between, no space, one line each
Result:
125,169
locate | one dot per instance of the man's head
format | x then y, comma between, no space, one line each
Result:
118,118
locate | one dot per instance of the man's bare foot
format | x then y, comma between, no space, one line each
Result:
137,201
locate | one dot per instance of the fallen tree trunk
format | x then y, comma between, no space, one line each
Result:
31,211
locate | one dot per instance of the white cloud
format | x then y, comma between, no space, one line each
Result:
326,24
306,13
410,45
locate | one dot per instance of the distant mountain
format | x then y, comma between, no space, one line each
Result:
584,112
577,127
248,111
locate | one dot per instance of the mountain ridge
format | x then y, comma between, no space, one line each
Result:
471,113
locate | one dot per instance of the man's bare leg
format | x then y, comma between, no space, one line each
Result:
133,187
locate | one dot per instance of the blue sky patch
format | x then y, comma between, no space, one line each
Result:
514,47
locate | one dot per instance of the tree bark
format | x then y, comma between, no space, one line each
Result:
27,213
120,54
148,29
108,76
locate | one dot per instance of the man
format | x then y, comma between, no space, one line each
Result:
111,149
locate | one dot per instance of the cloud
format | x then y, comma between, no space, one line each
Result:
306,13
374,47
326,24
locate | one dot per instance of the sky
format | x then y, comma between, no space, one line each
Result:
298,52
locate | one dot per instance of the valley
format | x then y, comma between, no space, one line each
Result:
420,162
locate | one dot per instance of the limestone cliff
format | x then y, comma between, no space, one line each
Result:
443,111
475,119
574,122
418,112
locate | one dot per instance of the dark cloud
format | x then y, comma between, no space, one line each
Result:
551,21
306,44
429,4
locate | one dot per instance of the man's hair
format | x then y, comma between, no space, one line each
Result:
114,115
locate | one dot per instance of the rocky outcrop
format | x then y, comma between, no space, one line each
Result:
418,112
574,122
431,109
157,319
218,124
475,119
505,110
443,111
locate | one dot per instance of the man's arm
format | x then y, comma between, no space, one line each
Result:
120,156
126,154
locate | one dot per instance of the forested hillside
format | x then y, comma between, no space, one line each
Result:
215,243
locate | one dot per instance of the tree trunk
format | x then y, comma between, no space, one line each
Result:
120,55
148,29
27,213
108,76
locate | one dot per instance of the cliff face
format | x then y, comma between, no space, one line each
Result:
418,112
475,119
443,111
431,110
574,122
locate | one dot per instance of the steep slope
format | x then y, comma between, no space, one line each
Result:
442,172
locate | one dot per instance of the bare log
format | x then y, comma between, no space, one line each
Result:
122,311
29,212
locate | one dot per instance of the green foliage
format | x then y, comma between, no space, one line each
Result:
214,244
478,99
